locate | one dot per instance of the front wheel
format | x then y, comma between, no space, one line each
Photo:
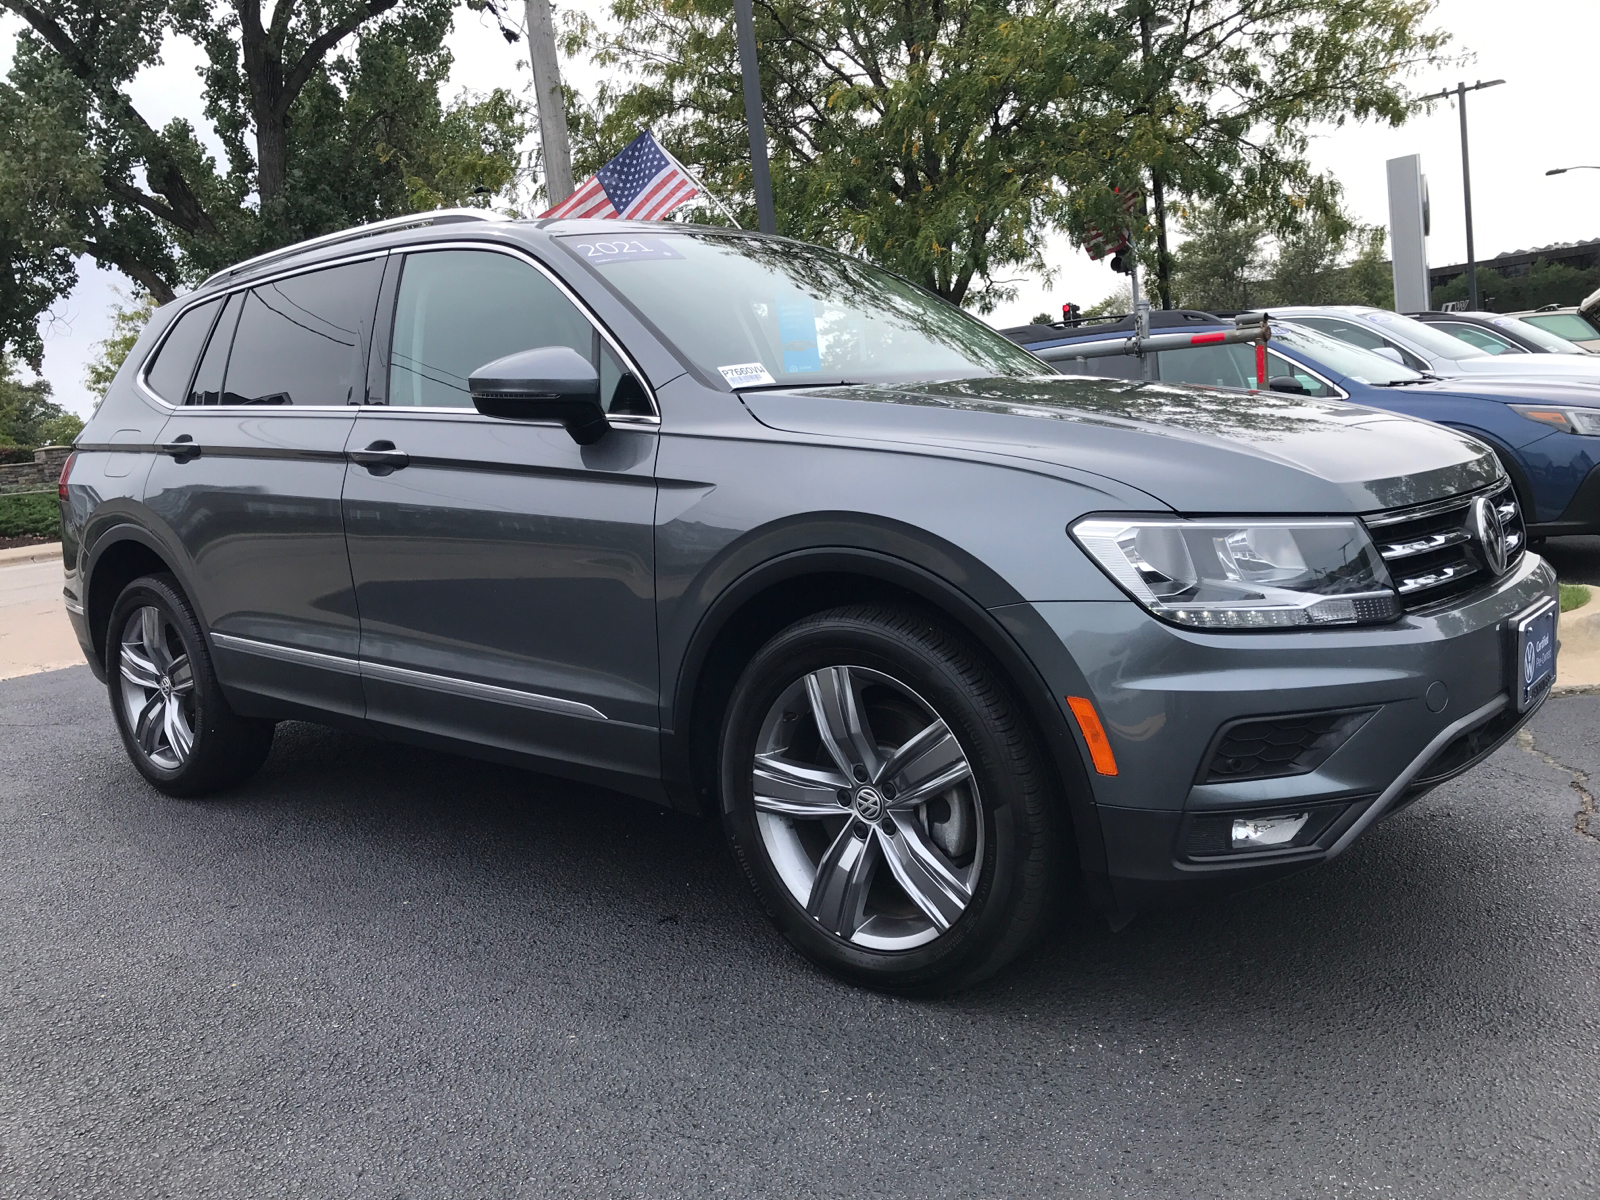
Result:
885,800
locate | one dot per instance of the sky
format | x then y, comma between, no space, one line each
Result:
1544,116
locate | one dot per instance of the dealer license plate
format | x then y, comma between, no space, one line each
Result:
1536,655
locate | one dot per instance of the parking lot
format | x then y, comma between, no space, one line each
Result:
378,971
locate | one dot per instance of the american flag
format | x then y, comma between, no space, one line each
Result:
640,184
1098,244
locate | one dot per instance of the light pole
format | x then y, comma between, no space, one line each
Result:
1564,170
744,18
1460,93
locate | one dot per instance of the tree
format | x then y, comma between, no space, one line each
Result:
1211,101
929,137
328,112
1544,283
128,320
28,417
1220,266
1227,265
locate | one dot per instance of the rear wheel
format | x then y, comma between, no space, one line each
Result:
884,798
169,708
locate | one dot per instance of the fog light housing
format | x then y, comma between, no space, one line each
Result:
1263,833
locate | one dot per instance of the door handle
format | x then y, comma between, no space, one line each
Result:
381,458
181,448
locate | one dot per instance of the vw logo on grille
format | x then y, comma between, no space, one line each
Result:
1491,533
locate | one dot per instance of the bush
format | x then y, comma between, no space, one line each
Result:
30,514
14,454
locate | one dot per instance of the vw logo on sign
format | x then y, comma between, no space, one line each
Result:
1491,533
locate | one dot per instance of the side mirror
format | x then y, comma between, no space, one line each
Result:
552,383
1288,383
1390,353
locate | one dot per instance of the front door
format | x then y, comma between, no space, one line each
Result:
250,482
504,574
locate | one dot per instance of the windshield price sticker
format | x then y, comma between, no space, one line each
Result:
599,251
746,375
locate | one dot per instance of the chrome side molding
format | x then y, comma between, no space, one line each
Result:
447,684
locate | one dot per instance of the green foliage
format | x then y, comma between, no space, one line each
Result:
1227,265
1573,595
1210,102
127,323
945,141
1545,283
329,115
30,514
930,138
28,417
1118,304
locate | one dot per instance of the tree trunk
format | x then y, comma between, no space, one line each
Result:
1163,258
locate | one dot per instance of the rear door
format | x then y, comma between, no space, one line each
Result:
251,475
504,574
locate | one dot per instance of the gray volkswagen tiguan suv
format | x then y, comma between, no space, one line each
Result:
751,528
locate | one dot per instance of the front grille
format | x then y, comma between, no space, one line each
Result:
1273,747
1435,552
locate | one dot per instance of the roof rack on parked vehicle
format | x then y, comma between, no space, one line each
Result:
439,216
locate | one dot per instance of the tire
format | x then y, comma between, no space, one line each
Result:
175,724
916,856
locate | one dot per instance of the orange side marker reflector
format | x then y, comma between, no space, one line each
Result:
1099,747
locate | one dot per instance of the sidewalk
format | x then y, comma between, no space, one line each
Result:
34,633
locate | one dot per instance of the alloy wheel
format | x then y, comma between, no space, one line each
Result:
868,808
157,688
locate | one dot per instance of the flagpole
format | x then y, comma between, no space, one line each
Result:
694,179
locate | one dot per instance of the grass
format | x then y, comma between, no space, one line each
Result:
30,514
1573,595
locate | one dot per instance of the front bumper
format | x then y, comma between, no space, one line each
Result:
1437,686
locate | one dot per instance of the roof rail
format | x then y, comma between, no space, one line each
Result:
439,216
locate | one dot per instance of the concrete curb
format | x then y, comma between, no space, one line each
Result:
30,554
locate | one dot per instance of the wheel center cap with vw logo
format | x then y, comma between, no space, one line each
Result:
869,803
1491,533
166,686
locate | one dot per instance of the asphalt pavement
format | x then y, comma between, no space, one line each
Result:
381,972
1576,559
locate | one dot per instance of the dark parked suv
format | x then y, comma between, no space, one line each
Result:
748,527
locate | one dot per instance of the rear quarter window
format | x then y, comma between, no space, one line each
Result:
168,373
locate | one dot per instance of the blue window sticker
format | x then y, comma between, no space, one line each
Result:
797,332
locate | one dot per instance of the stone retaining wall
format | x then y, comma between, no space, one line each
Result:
37,476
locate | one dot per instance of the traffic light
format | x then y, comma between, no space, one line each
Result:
1070,314
1122,263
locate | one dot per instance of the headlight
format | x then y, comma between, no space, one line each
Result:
1568,420
1247,574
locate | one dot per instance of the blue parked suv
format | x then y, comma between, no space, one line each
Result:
1546,433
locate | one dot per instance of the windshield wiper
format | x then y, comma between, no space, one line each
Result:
1424,378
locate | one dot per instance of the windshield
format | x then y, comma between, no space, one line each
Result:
1539,337
1342,358
1425,337
1569,325
755,312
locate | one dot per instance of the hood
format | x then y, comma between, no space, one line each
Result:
1569,367
1510,391
1198,450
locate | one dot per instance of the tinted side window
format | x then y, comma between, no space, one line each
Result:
207,386
169,375
459,309
300,340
